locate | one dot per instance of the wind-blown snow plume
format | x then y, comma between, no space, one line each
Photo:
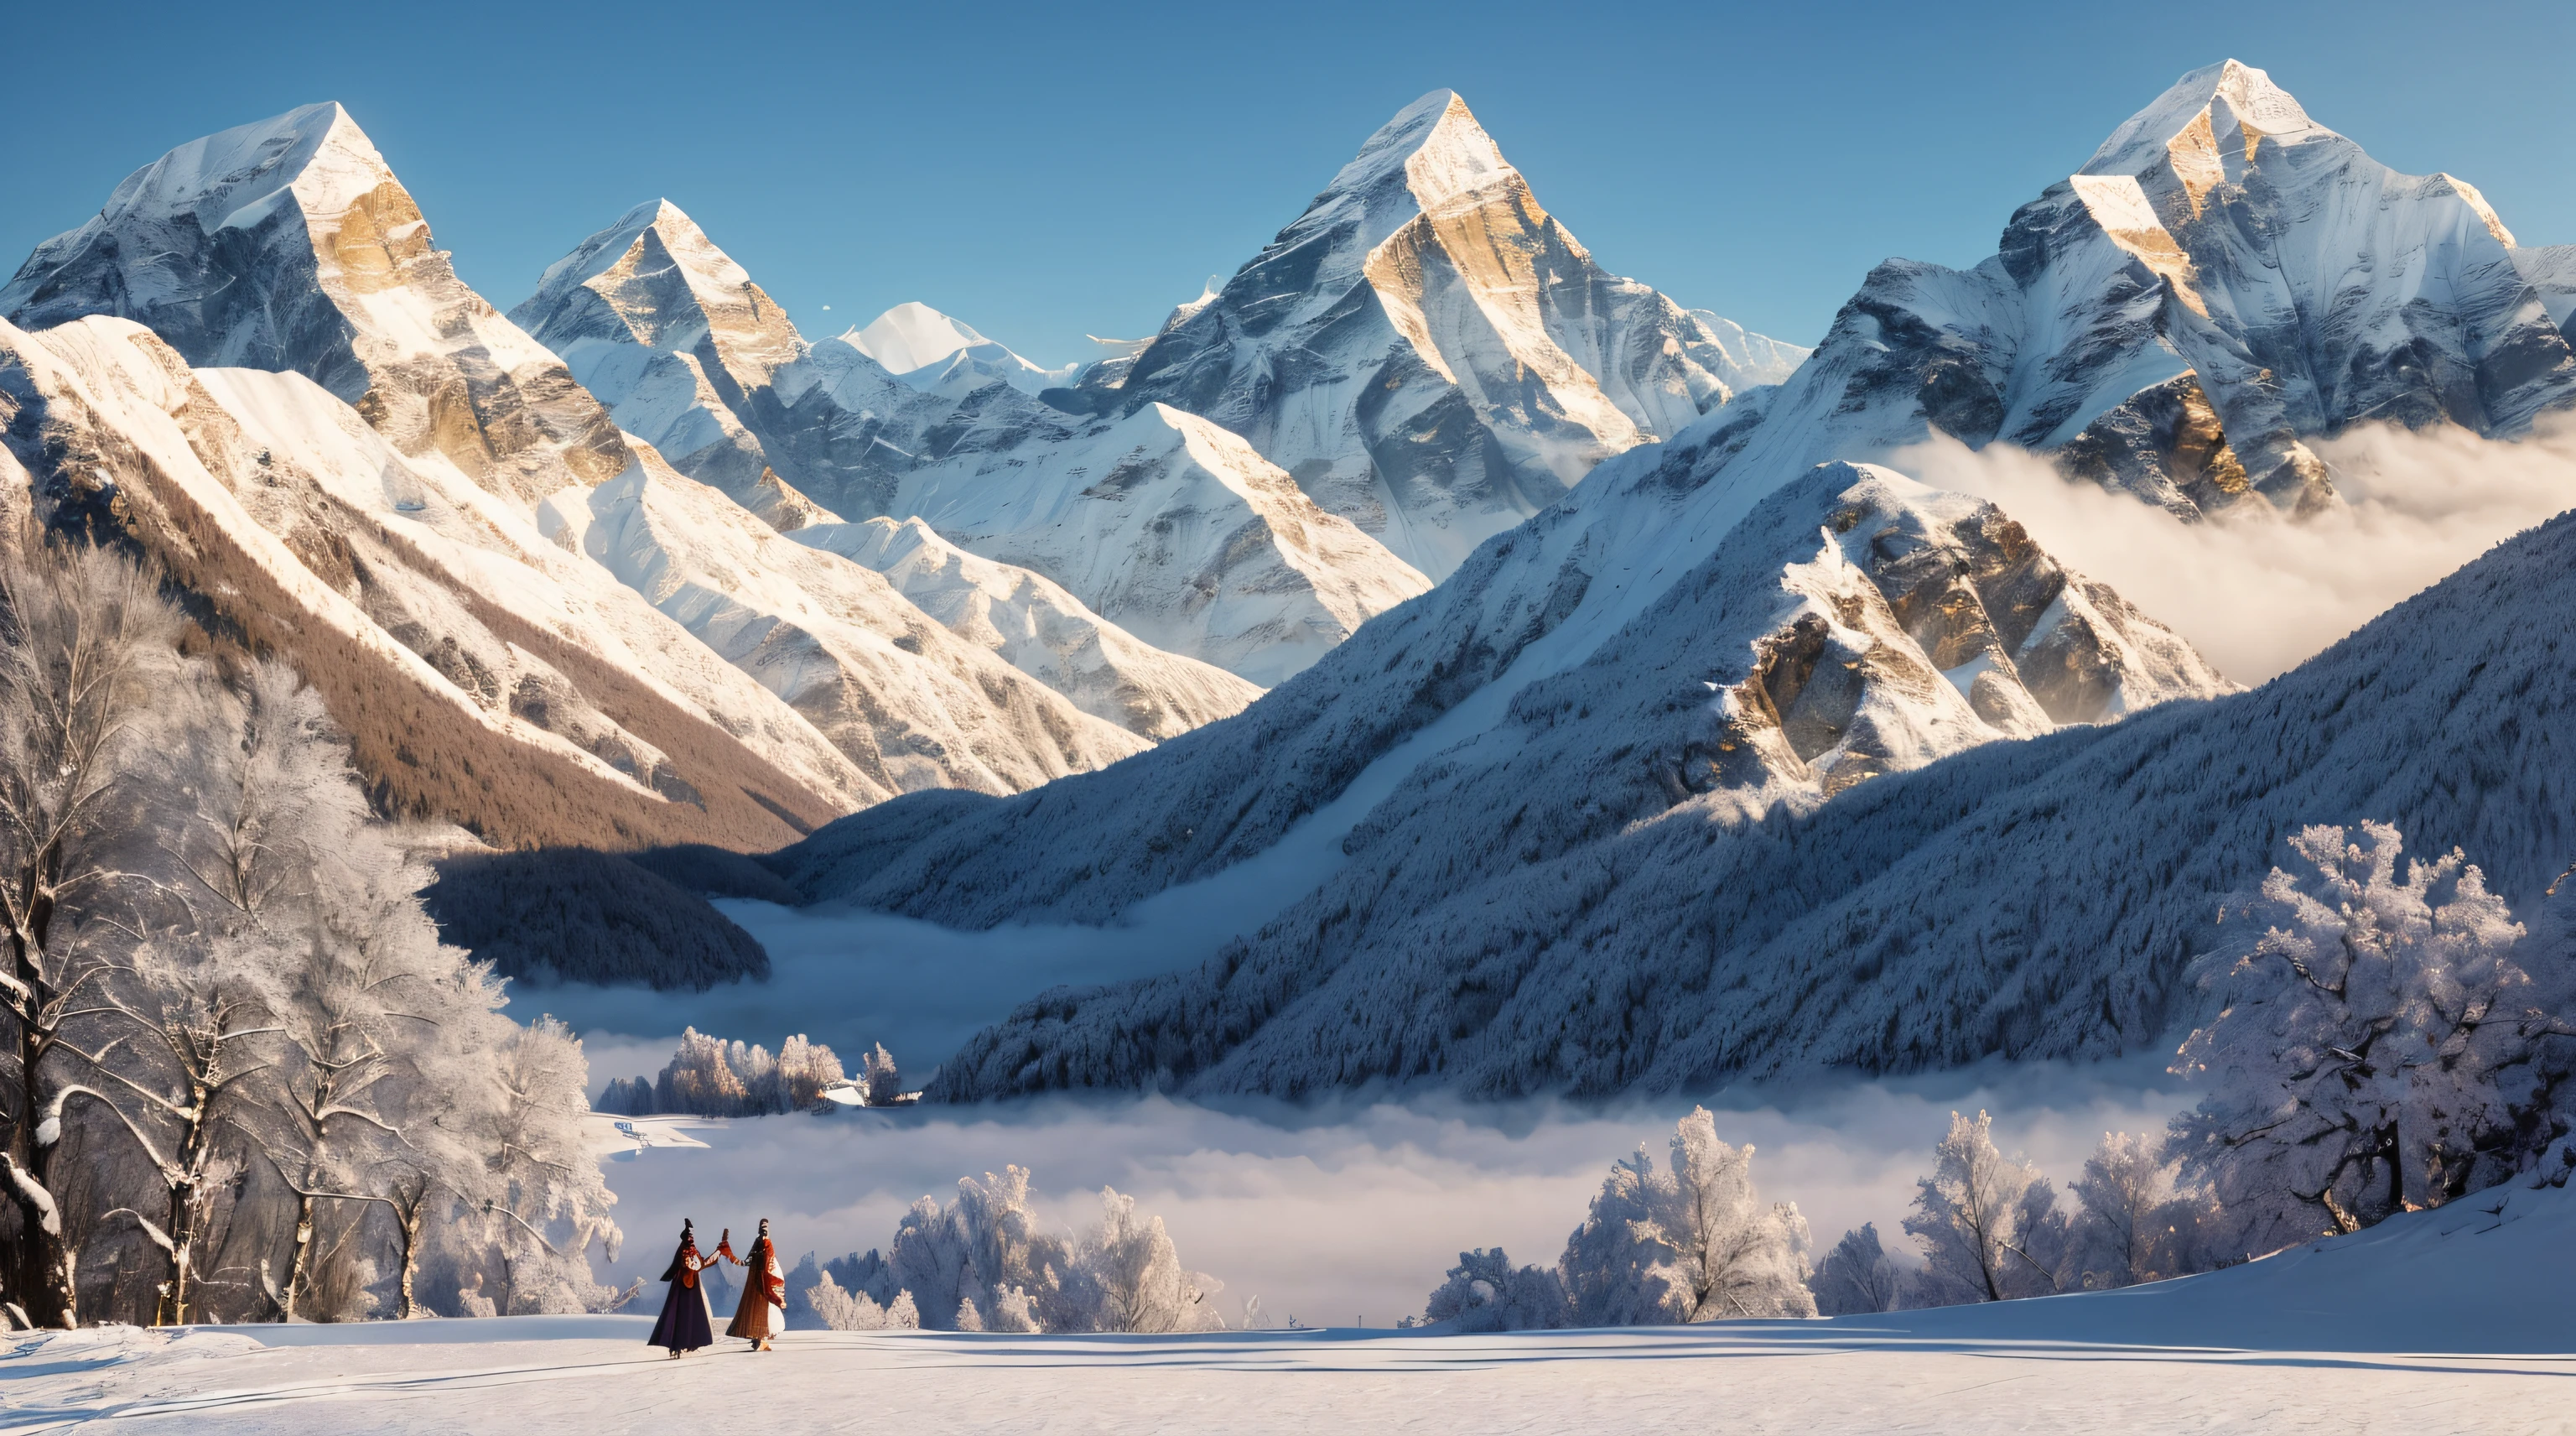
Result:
2254,590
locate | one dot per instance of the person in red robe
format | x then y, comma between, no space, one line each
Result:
763,1312
684,1326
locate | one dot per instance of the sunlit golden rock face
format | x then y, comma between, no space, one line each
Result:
1925,623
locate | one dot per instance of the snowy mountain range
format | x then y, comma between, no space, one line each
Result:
530,622
1163,524
1430,353
1595,681
640,565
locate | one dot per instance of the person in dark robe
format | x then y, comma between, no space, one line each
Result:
684,1326
763,1312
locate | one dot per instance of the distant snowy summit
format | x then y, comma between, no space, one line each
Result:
929,350
1430,353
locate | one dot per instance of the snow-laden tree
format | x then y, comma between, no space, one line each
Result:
805,1069
710,1077
1126,1276
541,1201
1988,1224
2134,1221
2364,1018
881,1085
1484,1292
983,1252
88,654
1858,1277
840,1310
1691,1242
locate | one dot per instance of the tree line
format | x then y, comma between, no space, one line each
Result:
2378,1039
242,1078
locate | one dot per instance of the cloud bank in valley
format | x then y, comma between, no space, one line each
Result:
2257,593
1349,1209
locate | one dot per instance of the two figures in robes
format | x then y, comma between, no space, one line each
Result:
762,1313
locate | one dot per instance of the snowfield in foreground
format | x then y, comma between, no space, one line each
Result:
2451,1320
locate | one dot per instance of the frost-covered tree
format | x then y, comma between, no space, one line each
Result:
2134,1222
1858,1277
87,653
710,1077
2365,1022
1484,1292
805,1069
1988,1224
627,1097
1126,1276
542,1201
983,1252
881,1085
840,1310
1692,1242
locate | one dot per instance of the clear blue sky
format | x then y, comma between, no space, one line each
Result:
1046,170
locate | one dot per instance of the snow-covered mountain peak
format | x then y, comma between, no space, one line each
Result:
1428,350
941,354
289,245
912,335
2209,115
316,149
655,278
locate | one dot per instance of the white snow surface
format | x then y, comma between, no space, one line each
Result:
1428,350
2439,1322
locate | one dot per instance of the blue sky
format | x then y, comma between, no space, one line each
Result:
1044,171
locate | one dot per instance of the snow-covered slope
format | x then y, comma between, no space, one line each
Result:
930,350
253,246
1040,629
912,703
485,674
1864,624
1162,524
2033,899
1175,530
1430,353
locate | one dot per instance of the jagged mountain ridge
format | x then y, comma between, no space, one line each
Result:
2033,900
1161,523
1538,600
301,214
1430,353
